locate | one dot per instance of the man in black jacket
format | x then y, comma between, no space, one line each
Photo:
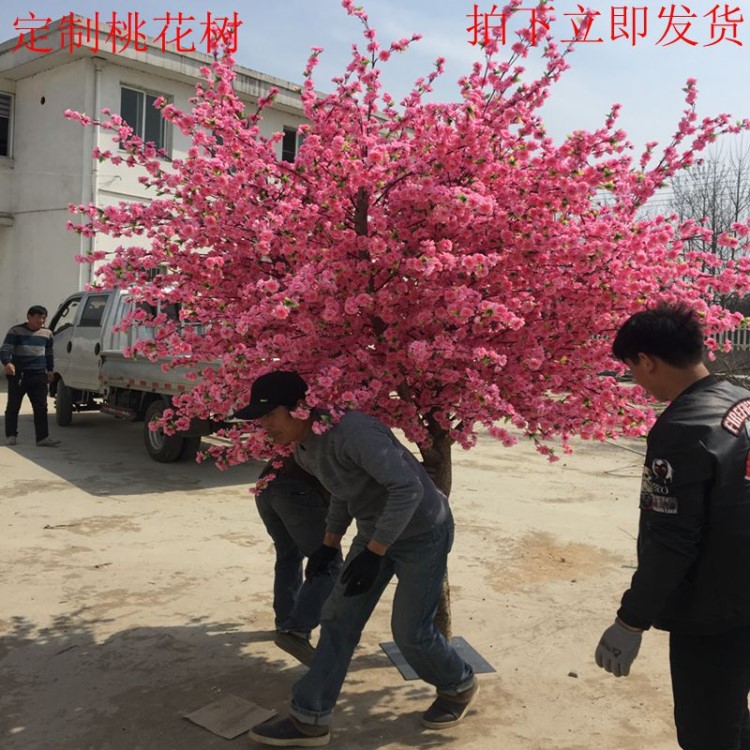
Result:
693,576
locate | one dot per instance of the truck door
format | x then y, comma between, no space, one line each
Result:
85,344
62,326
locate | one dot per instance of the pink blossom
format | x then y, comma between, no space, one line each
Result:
446,266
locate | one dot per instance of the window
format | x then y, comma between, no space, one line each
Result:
6,108
138,111
291,143
65,316
91,317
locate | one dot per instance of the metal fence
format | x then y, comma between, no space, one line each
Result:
740,339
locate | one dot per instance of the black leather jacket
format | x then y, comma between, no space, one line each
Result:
693,571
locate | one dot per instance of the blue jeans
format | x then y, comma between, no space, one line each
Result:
419,564
294,514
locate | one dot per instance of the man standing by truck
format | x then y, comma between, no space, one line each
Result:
28,359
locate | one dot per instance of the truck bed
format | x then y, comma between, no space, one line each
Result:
139,373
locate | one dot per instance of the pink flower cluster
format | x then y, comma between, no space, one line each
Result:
446,266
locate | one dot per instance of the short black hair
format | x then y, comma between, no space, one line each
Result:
672,332
37,310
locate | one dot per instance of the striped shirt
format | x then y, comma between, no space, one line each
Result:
29,351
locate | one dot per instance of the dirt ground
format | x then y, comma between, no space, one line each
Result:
132,593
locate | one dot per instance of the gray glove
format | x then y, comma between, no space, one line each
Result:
617,649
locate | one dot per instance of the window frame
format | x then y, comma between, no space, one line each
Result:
140,129
11,113
289,130
64,311
93,301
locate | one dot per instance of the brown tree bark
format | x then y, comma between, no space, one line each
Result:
437,457
437,462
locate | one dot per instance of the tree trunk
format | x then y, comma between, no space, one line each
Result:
437,463
437,457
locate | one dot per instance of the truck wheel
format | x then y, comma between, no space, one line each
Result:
63,405
190,448
162,448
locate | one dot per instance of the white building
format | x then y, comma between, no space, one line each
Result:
46,163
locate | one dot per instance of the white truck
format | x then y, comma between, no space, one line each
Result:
92,372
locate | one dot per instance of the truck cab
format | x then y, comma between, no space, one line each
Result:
77,327
93,373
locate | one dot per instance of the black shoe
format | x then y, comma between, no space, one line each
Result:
296,645
447,710
290,733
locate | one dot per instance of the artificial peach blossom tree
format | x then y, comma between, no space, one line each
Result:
447,267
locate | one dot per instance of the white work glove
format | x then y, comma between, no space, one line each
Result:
617,649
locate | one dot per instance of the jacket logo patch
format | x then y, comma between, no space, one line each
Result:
662,504
662,472
656,487
734,420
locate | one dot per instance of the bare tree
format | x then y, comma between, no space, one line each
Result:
717,191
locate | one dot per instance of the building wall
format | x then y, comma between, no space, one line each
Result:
52,167
47,171
6,163
120,183
7,309
6,220
6,185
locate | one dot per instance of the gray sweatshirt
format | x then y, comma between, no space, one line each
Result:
373,479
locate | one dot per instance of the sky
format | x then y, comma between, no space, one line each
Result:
646,77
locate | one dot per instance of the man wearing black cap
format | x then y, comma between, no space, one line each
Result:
404,528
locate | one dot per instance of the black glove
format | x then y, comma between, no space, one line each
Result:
319,563
361,572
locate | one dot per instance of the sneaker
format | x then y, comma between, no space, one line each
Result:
290,733
447,710
11,440
296,645
48,442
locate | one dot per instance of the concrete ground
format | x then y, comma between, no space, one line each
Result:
132,593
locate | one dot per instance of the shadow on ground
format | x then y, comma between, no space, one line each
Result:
60,689
105,456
